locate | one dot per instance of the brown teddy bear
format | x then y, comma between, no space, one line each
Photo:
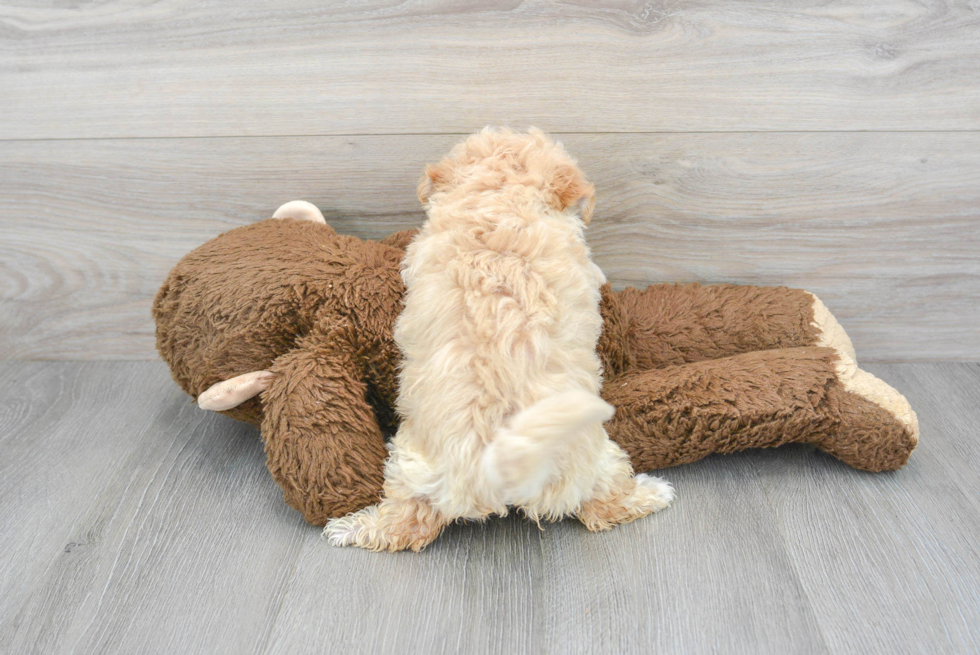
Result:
288,325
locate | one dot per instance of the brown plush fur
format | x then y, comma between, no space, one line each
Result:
692,370
318,309
751,400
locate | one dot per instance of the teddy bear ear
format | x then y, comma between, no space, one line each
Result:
434,176
573,190
301,211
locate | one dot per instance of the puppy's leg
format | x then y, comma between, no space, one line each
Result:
394,524
622,498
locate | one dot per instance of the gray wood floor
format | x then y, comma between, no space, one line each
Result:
130,521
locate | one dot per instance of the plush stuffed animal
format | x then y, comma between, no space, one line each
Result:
288,325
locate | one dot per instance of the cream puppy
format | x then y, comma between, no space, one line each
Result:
499,389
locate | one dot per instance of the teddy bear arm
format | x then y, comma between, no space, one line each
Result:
322,442
669,324
680,414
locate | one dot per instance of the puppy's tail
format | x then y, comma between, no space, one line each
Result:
522,458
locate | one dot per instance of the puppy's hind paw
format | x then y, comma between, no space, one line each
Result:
343,531
648,494
657,492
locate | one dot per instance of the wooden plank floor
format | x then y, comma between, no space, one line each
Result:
130,521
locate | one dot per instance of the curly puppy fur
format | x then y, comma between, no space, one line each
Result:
500,382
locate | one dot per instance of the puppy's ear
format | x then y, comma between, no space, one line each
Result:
435,176
572,189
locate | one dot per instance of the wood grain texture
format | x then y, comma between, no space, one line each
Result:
56,451
919,524
884,227
147,68
139,526
133,522
708,575
941,391
477,591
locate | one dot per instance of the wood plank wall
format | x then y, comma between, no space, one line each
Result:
834,147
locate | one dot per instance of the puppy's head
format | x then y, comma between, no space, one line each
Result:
495,158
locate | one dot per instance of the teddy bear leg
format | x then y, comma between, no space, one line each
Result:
670,324
878,429
869,407
322,441
828,332
874,433
680,414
